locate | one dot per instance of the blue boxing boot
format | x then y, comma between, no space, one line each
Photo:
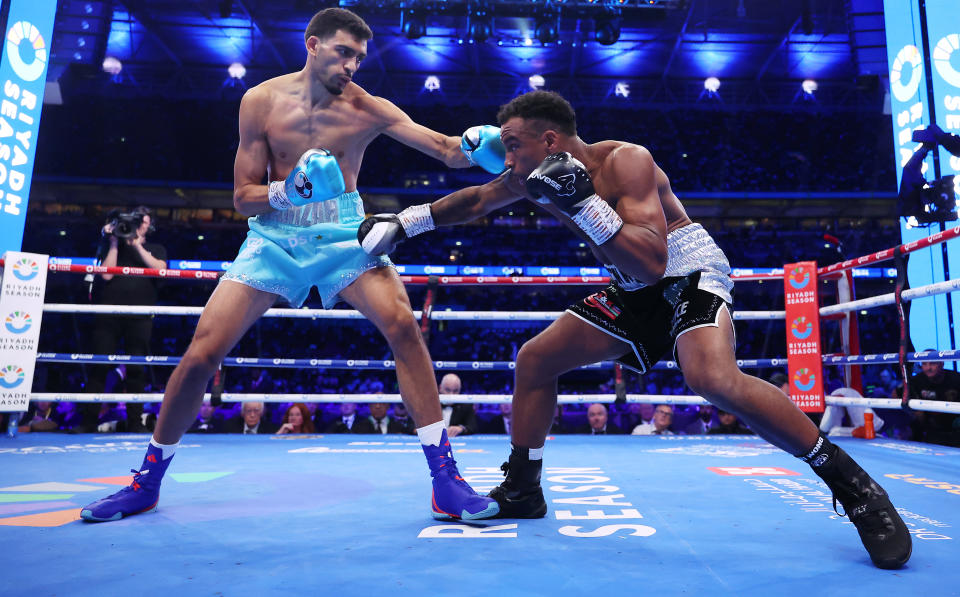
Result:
140,496
452,496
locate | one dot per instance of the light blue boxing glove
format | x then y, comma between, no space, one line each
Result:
482,146
316,177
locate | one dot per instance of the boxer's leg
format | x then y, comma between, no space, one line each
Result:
706,356
564,345
229,313
379,294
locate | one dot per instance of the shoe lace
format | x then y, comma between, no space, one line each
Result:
135,485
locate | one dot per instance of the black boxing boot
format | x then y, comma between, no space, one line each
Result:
881,529
520,495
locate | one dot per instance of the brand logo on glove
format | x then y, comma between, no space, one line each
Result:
303,186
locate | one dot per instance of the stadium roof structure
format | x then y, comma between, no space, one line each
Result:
650,51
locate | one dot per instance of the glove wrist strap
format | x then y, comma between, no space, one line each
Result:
277,196
598,220
416,219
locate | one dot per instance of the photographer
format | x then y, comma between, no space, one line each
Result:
124,237
933,201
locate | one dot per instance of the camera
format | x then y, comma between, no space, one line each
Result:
936,201
125,225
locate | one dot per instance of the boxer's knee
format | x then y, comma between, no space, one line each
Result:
203,356
198,362
533,364
399,327
715,384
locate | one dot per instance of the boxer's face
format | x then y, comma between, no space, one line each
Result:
527,145
336,59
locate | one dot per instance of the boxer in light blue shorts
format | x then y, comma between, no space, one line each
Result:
287,252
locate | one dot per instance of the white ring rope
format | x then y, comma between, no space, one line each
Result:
890,403
435,315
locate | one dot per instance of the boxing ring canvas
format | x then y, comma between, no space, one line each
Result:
349,515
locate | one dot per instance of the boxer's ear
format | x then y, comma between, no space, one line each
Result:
550,139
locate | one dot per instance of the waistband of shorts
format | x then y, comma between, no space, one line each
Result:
343,209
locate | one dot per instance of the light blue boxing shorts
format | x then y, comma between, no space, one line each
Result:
288,252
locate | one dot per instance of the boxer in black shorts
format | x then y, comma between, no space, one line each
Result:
651,319
671,290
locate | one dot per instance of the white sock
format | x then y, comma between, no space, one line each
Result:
536,454
167,449
430,435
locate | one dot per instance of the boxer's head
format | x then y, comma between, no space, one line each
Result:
533,126
336,41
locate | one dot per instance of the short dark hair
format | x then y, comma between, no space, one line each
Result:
779,378
547,106
328,21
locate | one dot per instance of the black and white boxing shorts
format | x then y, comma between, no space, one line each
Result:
651,318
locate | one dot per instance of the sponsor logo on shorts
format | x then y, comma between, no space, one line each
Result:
600,302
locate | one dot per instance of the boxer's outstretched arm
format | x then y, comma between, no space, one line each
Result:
381,233
250,166
471,203
398,125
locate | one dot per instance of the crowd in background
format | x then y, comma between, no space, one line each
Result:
702,151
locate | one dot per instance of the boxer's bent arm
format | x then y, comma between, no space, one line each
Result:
250,166
398,125
471,203
639,248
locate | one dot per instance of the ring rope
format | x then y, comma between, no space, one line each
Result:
435,315
891,403
385,364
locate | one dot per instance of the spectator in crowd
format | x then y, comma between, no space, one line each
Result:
887,384
500,424
461,419
296,420
781,380
662,419
402,418
206,421
832,421
251,421
934,382
379,422
704,422
125,244
597,423
40,416
348,420
729,425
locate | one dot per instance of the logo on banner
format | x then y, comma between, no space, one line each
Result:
801,328
18,322
798,278
941,58
804,379
25,269
11,376
907,55
26,41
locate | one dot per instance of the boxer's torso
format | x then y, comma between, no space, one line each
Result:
292,124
